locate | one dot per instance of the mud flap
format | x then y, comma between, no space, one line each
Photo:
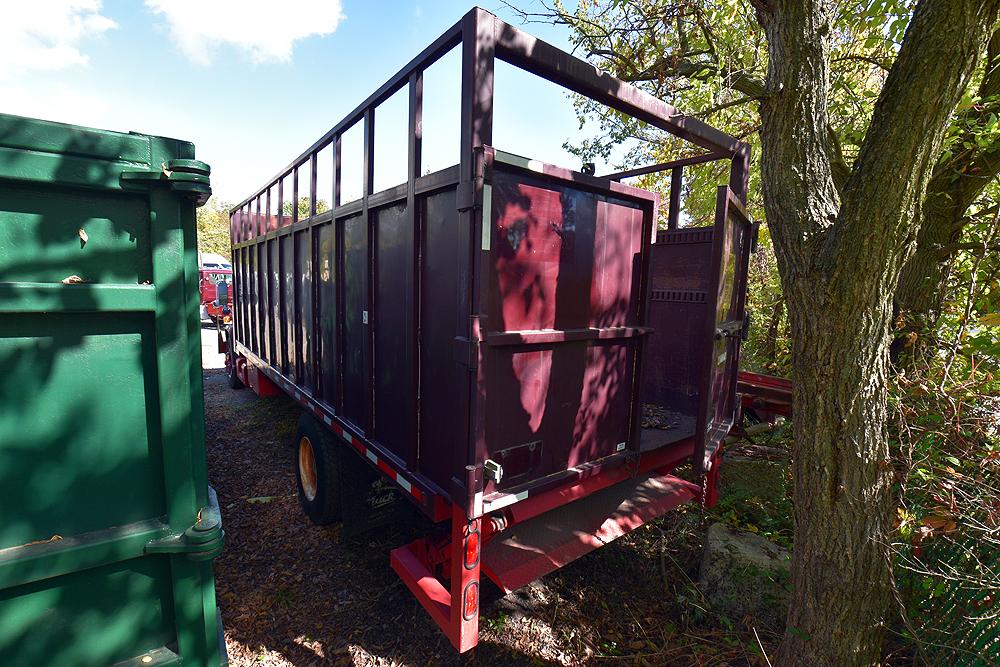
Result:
369,500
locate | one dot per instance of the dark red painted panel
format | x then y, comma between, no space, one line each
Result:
262,312
303,301
395,399
288,314
680,275
356,343
326,307
274,303
617,244
563,259
444,405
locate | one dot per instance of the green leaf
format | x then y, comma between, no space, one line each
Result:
990,320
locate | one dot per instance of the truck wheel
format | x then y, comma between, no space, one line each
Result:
317,466
234,377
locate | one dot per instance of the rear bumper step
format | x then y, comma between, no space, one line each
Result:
549,541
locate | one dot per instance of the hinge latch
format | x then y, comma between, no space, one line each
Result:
494,471
202,541
189,178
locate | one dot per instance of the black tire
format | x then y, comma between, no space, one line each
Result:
234,378
319,488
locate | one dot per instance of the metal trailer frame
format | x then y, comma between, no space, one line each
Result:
768,395
482,38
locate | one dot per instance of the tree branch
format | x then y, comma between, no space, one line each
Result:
867,59
899,151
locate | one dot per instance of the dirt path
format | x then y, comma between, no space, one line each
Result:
296,594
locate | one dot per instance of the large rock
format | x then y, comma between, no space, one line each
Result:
743,574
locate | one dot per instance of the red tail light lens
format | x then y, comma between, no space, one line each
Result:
472,550
470,603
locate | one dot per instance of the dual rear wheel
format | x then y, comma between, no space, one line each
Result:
317,463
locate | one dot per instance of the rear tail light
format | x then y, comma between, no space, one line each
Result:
470,600
472,547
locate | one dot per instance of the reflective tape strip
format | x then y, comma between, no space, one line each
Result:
351,440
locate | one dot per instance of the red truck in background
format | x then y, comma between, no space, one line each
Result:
212,307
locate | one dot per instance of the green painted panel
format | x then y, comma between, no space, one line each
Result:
107,525
40,237
85,456
50,137
90,618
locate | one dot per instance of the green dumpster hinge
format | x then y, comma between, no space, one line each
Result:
189,178
202,541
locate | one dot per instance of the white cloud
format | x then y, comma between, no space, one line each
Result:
59,102
46,34
265,29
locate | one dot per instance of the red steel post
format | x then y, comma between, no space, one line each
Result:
466,544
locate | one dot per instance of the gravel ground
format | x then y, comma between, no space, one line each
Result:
296,594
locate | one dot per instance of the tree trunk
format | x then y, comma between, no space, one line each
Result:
840,262
842,504
920,291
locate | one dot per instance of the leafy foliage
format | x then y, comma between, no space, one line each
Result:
322,206
213,227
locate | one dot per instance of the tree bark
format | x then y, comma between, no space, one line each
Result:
840,254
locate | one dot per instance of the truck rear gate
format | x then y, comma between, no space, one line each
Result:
478,334
107,523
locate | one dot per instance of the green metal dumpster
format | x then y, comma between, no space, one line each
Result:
107,524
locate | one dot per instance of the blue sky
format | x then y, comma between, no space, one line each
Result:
254,83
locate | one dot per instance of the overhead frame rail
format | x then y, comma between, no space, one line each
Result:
485,37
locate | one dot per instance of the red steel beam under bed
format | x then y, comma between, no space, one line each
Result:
455,609
454,604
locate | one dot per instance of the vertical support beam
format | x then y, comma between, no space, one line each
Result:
478,52
295,358
336,171
739,173
466,554
415,125
313,282
313,168
413,160
179,385
676,184
368,159
266,220
338,272
281,203
255,254
295,195
478,49
367,186
266,288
